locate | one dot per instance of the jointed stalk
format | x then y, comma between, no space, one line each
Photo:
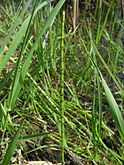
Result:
62,86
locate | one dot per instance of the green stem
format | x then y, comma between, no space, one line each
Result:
62,88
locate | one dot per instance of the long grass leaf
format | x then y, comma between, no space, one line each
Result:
109,70
12,30
14,44
117,116
12,146
26,65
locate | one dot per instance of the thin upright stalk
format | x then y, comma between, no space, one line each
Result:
99,22
99,105
75,13
94,117
62,88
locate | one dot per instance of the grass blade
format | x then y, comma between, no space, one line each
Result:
6,39
117,116
12,146
14,44
26,65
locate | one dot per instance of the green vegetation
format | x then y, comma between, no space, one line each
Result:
61,90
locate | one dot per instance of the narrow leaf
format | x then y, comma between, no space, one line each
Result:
12,146
117,116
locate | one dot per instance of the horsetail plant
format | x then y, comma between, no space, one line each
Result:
62,88
61,99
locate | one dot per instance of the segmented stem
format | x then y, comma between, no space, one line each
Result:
62,87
